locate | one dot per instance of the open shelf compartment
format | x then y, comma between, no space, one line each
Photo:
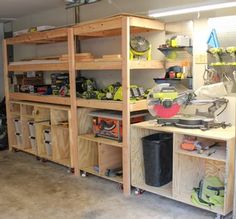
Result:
99,159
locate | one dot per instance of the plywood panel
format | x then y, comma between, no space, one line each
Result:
87,153
39,127
110,157
85,122
41,114
25,134
189,172
229,176
59,116
60,143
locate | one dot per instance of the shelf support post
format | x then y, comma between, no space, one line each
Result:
125,38
73,110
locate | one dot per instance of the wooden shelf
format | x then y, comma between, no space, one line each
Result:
92,171
100,104
40,98
111,105
117,65
142,64
219,155
112,26
44,37
91,137
27,150
99,65
138,105
38,66
217,134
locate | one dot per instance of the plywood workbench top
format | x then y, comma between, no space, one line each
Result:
217,133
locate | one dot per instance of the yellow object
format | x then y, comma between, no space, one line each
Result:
140,55
173,43
165,95
179,74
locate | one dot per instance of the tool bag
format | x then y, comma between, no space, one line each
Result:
210,193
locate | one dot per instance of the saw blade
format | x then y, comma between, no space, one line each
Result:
164,112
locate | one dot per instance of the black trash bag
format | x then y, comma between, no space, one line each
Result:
3,126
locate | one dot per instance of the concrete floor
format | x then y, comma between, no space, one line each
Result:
32,189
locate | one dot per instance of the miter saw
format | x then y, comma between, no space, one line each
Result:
165,103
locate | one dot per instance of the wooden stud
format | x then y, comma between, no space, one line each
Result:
126,112
73,126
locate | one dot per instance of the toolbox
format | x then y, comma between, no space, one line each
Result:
108,123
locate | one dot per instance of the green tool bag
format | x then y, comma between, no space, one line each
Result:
210,193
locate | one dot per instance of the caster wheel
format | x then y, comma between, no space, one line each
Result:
71,170
15,150
138,191
84,174
43,160
37,158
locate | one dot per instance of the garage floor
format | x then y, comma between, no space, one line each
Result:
32,189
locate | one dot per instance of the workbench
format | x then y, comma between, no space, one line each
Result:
189,167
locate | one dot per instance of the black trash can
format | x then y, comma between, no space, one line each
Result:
157,154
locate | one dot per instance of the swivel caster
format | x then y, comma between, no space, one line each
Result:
138,191
84,174
43,160
15,150
71,170
37,158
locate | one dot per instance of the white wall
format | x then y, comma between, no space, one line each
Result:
1,63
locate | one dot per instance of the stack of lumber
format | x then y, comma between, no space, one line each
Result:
79,57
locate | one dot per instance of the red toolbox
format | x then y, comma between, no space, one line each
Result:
108,123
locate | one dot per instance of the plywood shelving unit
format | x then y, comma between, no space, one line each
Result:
43,117
123,26
188,167
62,154
85,150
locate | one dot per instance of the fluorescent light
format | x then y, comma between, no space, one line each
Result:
162,13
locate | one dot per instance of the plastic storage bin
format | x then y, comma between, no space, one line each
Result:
18,139
18,126
31,128
33,143
47,135
157,153
48,147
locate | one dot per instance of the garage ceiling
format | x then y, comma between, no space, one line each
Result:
18,8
